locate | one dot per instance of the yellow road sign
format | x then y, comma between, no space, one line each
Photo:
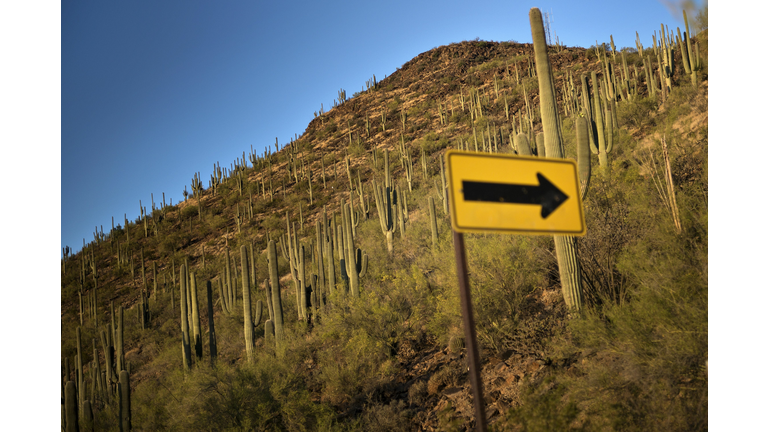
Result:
514,194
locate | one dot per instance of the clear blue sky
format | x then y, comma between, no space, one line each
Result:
154,91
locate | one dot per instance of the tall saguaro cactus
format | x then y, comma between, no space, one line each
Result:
87,416
185,348
319,246
80,376
125,401
432,220
565,246
229,287
582,148
603,128
274,284
248,323
70,407
295,255
120,356
328,246
196,332
97,386
108,359
211,329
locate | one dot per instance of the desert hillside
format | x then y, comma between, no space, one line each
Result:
314,286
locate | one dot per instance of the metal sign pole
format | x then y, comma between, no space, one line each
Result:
469,332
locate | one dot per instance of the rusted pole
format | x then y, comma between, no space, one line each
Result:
469,332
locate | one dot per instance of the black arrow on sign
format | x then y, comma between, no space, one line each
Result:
547,195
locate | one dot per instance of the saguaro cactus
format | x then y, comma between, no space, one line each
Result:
401,209
522,145
433,221
196,333
269,332
70,407
231,292
268,288
124,392
582,148
211,329
319,286
301,294
691,59
355,264
185,348
248,323
565,246
541,150
97,386
108,359
154,280
80,375
258,313
387,218
222,294
603,124
143,311
295,255
277,304
120,356
87,416
586,108
252,261
328,237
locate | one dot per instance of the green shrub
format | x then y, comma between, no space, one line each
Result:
356,149
265,395
417,393
174,241
638,113
217,222
450,375
384,417
190,210
432,142
505,271
542,409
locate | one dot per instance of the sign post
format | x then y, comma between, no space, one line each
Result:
473,356
506,194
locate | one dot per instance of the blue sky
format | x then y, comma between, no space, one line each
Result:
154,91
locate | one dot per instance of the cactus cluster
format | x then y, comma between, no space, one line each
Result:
390,206
104,385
